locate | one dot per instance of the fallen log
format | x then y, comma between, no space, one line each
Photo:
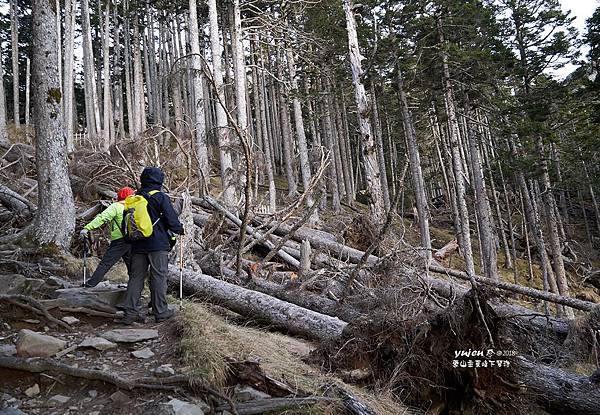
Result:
559,391
530,292
306,299
350,401
261,406
251,231
580,396
447,289
341,251
447,250
525,316
15,202
318,239
280,314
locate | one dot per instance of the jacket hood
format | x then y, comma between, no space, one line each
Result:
152,177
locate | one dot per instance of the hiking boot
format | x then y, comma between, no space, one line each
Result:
165,316
129,319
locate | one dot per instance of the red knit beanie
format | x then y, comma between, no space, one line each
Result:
124,192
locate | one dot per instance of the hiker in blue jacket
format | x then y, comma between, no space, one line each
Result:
153,252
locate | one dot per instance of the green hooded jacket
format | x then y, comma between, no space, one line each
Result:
112,214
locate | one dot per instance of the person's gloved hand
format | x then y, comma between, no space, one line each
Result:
83,234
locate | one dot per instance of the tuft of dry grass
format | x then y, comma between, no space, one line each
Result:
209,336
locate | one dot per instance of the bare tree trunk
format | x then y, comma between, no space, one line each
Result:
107,107
552,222
457,163
198,93
27,93
286,132
371,166
68,72
91,98
330,143
240,69
266,136
58,40
482,204
138,81
344,142
227,176
175,83
349,138
380,149
415,169
300,133
55,220
532,215
3,133
14,36
131,124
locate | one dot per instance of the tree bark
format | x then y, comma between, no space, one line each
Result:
559,391
305,169
91,97
198,93
286,133
415,169
27,86
372,168
138,82
106,107
69,46
4,142
552,222
280,314
267,137
55,220
380,149
482,205
14,36
457,161
227,176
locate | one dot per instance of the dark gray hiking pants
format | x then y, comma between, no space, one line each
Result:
116,250
158,265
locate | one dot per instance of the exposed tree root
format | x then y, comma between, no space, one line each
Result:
31,304
39,365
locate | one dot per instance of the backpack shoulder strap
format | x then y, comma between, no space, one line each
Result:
152,202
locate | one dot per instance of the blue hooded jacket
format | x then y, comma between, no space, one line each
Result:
159,207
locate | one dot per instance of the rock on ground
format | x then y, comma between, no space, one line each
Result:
12,284
119,397
60,399
70,320
164,371
247,393
33,391
145,353
97,343
177,407
8,350
33,344
130,335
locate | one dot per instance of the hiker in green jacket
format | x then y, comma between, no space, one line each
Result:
118,247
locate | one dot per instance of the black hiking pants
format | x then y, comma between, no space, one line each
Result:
116,250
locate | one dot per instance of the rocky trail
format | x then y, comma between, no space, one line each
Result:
82,362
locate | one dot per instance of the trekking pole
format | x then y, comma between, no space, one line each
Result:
180,274
84,260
